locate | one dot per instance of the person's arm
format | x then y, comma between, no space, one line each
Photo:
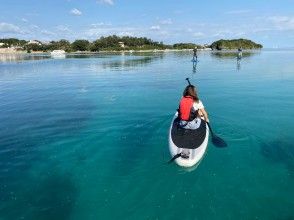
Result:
204,114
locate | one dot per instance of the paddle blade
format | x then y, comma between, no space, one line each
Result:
218,142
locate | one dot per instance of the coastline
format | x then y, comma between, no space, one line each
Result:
11,51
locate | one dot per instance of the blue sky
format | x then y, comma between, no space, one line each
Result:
269,22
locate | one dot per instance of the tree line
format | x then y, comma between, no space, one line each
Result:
118,43
103,43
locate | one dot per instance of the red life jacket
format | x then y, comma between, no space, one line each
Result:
186,112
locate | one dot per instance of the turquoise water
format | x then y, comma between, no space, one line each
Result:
86,137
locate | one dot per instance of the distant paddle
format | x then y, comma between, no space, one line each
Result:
188,81
217,141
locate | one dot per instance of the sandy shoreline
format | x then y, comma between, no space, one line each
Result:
102,51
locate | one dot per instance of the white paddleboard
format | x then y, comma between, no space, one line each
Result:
195,155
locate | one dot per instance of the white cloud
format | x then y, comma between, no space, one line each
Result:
167,21
95,32
164,33
198,34
262,29
240,34
35,27
75,12
282,22
223,33
9,28
46,32
100,24
155,27
107,2
24,20
125,33
63,28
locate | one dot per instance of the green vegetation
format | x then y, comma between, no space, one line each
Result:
109,43
126,43
234,44
181,46
12,42
80,45
116,43
58,45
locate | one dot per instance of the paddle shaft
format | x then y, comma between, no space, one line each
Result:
210,128
215,139
188,81
174,158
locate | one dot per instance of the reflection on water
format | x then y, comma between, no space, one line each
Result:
194,67
70,150
12,57
127,63
233,54
59,56
238,64
86,56
120,59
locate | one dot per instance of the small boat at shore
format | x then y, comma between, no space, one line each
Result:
58,54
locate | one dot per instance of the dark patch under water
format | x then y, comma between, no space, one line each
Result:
49,197
22,147
137,141
280,151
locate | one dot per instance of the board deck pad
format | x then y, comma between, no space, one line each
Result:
187,138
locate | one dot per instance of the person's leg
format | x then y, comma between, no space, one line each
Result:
193,124
185,153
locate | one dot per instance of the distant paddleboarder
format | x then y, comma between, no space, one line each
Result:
239,53
195,54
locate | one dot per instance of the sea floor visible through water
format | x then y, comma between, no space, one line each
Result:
86,137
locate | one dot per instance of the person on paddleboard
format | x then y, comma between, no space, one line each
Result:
239,53
191,109
195,54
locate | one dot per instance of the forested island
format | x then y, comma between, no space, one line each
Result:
116,43
235,44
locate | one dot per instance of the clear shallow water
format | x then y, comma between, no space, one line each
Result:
87,138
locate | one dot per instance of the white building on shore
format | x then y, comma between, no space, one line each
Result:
121,44
34,42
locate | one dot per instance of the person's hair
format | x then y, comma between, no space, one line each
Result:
190,90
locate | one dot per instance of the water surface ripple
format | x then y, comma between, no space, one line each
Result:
86,137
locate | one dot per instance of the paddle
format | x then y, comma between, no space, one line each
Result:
217,141
174,157
188,81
